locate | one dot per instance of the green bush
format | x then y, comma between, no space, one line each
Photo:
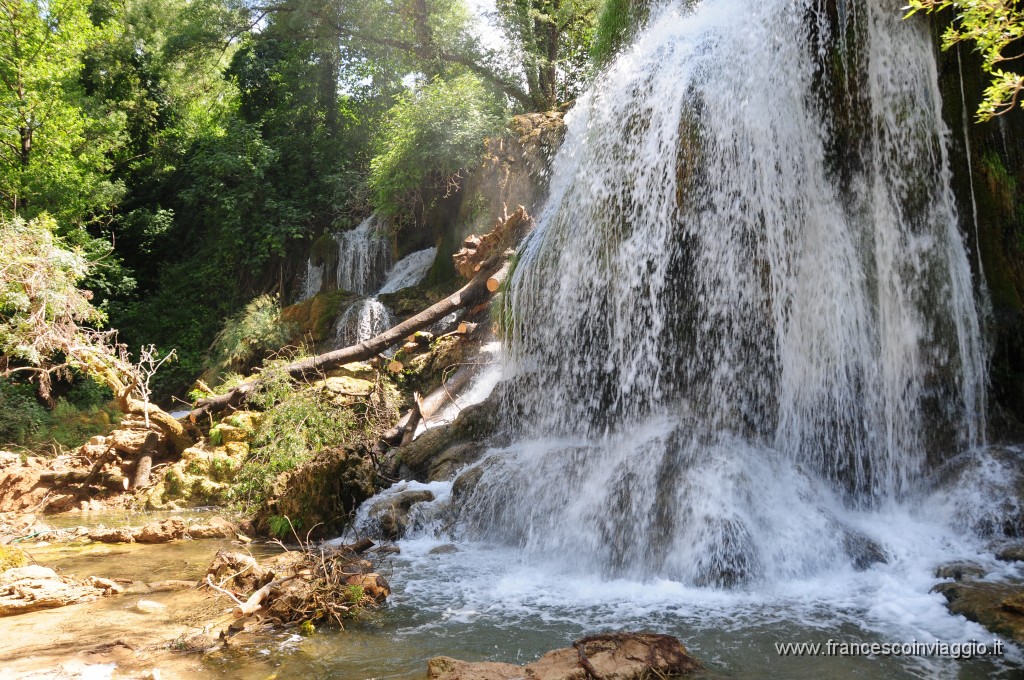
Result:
22,417
297,424
248,337
431,135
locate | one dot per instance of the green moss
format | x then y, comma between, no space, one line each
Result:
11,558
324,251
174,484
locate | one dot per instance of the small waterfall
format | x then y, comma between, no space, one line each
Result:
369,317
357,262
361,321
747,310
314,280
363,258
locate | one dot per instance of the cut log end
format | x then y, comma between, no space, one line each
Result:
396,366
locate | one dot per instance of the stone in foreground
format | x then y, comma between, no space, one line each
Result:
612,656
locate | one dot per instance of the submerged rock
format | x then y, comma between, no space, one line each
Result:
613,656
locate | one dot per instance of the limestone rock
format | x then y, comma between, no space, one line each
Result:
164,532
995,605
31,588
130,441
614,656
345,385
216,527
959,571
112,535
440,451
446,668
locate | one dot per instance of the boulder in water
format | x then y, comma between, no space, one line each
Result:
392,512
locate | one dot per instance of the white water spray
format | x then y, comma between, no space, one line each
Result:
747,311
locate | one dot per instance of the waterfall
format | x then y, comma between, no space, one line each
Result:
369,317
359,261
747,309
363,258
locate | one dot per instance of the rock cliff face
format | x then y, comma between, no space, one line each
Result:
988,175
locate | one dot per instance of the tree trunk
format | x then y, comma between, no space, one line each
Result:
472,293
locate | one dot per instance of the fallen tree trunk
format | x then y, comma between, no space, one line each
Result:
470,294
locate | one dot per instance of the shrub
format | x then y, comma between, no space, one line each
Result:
248,337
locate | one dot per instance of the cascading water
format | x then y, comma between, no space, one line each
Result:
369,317
357,261
363,258
747,310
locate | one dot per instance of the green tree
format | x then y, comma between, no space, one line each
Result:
431,134
993,26
54,144
45,318
554,38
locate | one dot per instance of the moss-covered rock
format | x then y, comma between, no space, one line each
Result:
441,451
320,497
425,370
314,319
12,558
202,476
414,299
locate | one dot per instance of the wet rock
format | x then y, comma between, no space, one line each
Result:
995,605
1011,553
863,551
446,549
453,459
392,513
106,584
466,483
170,585
959,571
31,588
216,527
440,451
150,607
164,532
112,535
614,656
446,668
319,496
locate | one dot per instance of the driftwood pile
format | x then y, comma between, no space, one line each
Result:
321,584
